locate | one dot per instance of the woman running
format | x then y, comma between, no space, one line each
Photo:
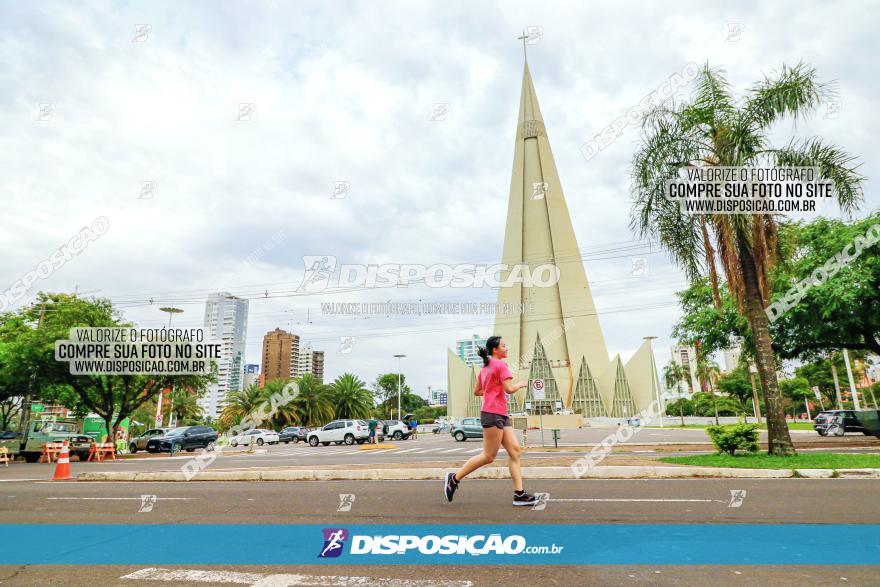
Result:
494,384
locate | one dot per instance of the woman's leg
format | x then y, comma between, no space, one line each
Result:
491,443
511,445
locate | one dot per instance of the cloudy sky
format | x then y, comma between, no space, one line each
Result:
346,92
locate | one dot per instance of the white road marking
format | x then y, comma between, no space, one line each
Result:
610,499
451,450
121,498
281,580
400,452
14,480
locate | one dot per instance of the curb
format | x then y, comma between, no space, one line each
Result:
610,472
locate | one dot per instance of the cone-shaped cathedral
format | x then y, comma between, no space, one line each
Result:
557,337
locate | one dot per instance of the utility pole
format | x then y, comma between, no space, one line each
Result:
752,370
852,383
399,357
836,384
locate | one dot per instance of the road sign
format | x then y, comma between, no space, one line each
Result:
538,389
35,408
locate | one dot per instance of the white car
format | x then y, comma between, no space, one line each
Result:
339,431
258,436
397,430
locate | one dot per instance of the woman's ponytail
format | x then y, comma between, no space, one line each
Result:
484,354
492,343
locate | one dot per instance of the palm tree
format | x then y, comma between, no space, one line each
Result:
313,402
279,414
350,397
708,371
673,375
715,129
240,404
185,405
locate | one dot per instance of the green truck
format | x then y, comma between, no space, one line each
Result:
39,432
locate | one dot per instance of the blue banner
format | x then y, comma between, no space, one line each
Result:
475,544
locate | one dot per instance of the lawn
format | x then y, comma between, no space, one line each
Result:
761,460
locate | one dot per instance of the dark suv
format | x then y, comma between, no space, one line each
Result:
837,422
293,433
184,438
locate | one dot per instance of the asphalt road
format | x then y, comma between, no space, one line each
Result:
831,501
428,447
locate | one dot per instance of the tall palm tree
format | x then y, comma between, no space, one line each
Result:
673,375
313,402
240,404
350,397
708,371
715,129
279,414
185,405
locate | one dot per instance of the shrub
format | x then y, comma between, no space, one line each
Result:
734,437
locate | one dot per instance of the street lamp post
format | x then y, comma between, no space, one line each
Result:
399,357
171,311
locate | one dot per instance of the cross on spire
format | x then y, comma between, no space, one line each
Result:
524,38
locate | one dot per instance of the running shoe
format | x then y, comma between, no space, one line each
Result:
450,486
524,499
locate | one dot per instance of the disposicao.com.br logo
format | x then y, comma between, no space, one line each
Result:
321,274
452,544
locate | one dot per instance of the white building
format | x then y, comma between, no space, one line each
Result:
466,349
731,358
686,356
226,323
310,361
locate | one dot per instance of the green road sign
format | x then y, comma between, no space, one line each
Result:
38,408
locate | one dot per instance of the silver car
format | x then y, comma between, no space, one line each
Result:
140,442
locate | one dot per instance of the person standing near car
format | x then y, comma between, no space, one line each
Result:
372,425
414,428
494,384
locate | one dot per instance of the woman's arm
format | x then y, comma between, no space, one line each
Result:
511,387
478,389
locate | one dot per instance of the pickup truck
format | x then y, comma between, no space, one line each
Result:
39,432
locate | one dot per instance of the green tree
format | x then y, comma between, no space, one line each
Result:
185,406
28,342
841,312
240,404
707,373
737,384
313,404
716,129
350,397
673,376
385,387
797,390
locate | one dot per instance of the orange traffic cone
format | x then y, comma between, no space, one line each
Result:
62,469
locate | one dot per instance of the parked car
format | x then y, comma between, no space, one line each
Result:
396,429
140,442
186,438
339,431
826,423
870,420
466,428
293,434
258,436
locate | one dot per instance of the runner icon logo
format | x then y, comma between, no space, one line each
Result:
334,541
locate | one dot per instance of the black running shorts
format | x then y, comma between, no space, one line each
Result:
488,420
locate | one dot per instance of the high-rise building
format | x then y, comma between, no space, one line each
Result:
310,361
280,355
438,396
466,349
686,356
251,375
731,357
560,340
225,323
